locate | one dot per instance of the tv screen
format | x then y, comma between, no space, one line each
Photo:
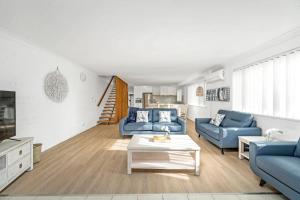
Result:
7,114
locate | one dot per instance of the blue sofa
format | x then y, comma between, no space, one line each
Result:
278,164
128,125
233,125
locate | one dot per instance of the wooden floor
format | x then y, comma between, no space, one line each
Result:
95,162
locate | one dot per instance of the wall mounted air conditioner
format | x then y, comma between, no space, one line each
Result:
215,76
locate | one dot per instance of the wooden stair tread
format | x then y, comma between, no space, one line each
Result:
108,117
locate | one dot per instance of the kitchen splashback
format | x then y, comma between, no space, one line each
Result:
168,99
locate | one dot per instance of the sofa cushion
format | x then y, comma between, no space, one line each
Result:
285,169
297,151
150,111
217,120
164,116
142,116
173,126
172,110
132,114
210,130
236,119
138,126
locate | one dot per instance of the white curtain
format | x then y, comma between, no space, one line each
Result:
269,88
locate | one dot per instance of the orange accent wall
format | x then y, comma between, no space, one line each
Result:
121,99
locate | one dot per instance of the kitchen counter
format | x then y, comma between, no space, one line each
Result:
164,105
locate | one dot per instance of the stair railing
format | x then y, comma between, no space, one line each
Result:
106,89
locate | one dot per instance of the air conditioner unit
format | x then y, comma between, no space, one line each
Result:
215,76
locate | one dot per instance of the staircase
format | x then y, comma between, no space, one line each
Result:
113,102
109,110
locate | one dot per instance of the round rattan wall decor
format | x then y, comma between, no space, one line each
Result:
56,86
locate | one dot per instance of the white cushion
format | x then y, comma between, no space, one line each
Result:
217,120
164,116
142,116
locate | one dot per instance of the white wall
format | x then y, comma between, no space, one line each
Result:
197,107
23,68
284,43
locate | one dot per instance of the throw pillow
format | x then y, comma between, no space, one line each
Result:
142,116
297,151
217,120
132,114
164,116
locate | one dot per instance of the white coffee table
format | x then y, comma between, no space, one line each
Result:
246,140
142,153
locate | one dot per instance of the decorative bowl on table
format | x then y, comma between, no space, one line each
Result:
162,138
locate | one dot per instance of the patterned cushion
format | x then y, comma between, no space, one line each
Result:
142,116
217,120
164,116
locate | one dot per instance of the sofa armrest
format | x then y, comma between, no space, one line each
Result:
269,148
122,123
229,137
272,148
202,120
182,122
247,131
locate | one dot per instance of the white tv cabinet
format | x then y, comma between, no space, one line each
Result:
16,157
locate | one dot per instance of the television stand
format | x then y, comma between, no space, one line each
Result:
16,158
14,139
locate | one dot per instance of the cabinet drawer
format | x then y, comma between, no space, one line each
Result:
18,167
18,153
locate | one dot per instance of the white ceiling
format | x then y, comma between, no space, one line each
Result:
149,41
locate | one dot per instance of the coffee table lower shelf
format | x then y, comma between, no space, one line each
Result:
164,161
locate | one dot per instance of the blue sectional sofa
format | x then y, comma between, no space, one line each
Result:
128,125
279,165
233,125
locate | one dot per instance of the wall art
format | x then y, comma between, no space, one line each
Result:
56,86
218,94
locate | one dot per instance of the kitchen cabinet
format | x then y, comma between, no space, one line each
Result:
156,90
139,90
179,95
168,90
138,94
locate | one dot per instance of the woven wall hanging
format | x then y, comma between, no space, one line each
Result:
56,86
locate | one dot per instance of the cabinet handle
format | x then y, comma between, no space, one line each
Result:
20,152
20,165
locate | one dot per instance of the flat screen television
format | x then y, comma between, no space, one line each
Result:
7,114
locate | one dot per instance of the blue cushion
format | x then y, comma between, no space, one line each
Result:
209,129
132,114
156,114
236,119
285,169
173,126
297,151
138,126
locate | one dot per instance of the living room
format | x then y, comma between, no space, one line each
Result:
149,99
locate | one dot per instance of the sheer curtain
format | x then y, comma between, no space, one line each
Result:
270,88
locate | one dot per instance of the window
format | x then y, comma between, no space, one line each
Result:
269,88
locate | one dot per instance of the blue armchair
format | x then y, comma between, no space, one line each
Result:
128,125
277,164
233,125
